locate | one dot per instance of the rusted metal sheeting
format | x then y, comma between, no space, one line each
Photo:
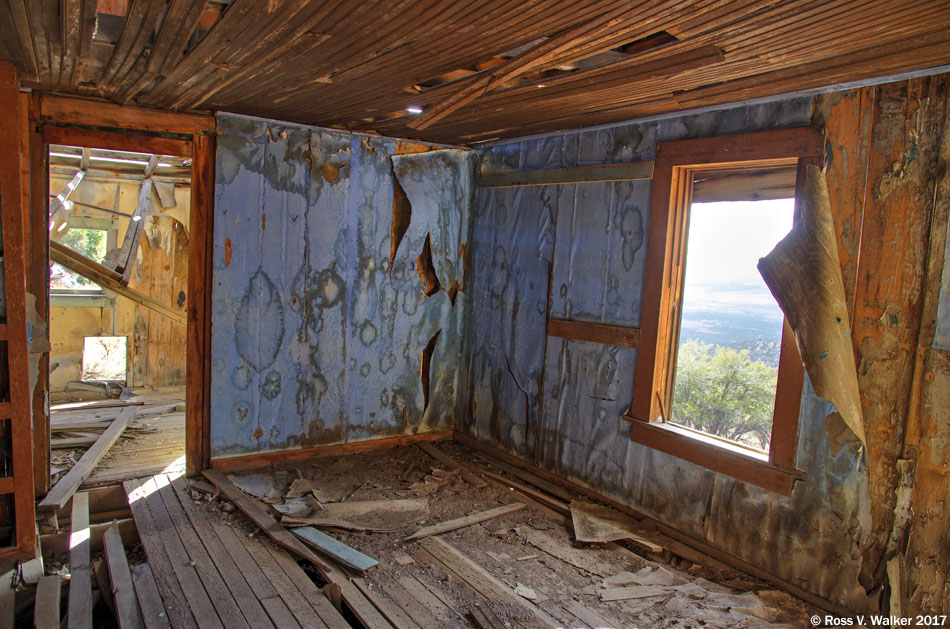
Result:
314,340
589,234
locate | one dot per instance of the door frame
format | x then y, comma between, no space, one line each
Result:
56,119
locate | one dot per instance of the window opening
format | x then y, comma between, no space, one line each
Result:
730,337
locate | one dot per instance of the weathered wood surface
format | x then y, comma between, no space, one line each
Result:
457,523
70,482
79,611
123,590
340,552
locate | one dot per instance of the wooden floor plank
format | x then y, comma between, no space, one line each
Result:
153,610
46,607
388,608
253,612
179,613
585,615
7,593
123,591
218,593
67,485
79,611
412,607
277,610
295,601
194,592
308,589
421,593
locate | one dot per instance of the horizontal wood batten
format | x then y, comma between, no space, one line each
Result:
694,544
98,113
6,410
714,457
580,174
135,142
6,485
249,461
614,335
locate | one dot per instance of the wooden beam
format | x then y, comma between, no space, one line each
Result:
107,278
630,171
86,112
538,56
14,215
250,461
613,335
70,482
125,141
198,339
80,574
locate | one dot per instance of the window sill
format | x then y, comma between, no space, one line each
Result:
747,465
79,300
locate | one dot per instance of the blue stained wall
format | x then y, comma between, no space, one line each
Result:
314,340
589,241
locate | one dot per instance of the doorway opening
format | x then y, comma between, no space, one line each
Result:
118,286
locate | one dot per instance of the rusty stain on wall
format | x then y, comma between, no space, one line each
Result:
320,326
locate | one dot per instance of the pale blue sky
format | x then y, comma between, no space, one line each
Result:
726,239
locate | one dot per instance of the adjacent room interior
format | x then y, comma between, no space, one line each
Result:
436,314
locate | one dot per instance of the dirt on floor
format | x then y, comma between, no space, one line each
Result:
532,551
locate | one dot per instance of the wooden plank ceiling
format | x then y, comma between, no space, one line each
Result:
476,70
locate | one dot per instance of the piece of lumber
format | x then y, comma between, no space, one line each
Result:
70,482
331,523
389,609
334,548
79,612
547,501
127,608
457,523
103,585
587,616
153,611
259,515
107,278
640,591
480,579
630,171
46,606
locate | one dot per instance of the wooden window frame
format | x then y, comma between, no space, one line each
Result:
675,168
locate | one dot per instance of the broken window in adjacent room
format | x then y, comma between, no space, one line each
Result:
731,327
92,243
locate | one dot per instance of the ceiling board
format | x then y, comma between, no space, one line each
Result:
361,64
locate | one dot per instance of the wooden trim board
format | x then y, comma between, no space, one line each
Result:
250,461
629,171
88,112
613,335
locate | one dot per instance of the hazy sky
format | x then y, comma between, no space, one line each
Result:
727,239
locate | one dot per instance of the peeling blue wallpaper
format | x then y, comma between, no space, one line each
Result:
314,339
577,252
